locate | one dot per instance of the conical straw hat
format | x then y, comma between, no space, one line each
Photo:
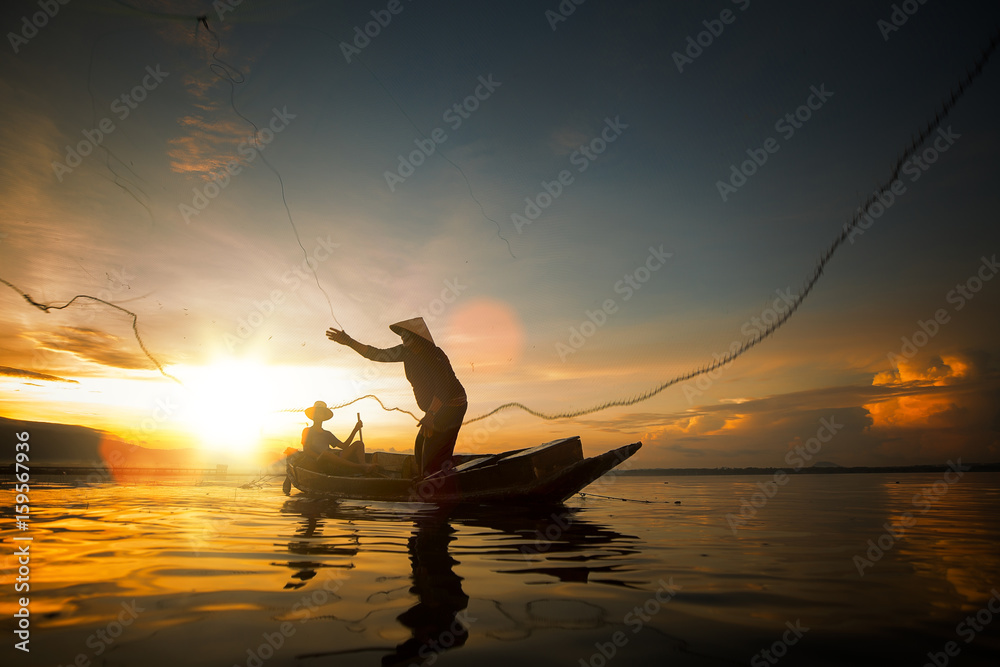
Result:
415,326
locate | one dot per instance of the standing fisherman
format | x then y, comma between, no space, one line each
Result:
435,387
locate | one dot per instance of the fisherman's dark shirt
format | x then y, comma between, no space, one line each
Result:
427,368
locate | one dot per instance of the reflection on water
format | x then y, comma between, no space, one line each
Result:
573,550
435,621
212,575
312,540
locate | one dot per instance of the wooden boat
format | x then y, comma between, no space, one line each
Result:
546,474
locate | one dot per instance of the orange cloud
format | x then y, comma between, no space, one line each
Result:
91,345
934,407
212,132
944,370
32,375
912,411
926,413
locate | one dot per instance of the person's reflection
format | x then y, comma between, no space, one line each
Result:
312,540
437,621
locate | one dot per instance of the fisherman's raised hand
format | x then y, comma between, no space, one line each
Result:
338,336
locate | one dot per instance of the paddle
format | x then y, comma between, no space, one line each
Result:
361,437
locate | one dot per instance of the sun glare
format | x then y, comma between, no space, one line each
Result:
229,404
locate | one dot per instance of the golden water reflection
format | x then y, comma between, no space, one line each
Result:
217,571
437,621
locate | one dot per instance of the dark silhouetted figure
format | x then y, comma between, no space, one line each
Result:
435,387
320,445
438,621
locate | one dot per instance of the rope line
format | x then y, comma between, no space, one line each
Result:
352,402
624,500
915,143
439,151
233,76
124,184
44,307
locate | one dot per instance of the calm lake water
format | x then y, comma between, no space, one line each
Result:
210,574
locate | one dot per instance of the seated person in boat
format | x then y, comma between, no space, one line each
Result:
321,446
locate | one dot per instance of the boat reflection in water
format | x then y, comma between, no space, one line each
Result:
556,542
344,545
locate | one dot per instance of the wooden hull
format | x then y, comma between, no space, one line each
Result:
547,474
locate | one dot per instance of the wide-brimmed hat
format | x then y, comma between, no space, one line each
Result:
416,326
319,412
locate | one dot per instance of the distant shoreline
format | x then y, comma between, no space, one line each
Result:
110,472
825,470
639,472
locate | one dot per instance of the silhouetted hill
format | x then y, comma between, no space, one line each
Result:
69,445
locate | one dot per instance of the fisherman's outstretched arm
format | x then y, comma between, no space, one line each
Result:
366,351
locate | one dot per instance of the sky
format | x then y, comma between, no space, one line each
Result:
583,201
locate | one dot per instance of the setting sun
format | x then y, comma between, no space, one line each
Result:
229,404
